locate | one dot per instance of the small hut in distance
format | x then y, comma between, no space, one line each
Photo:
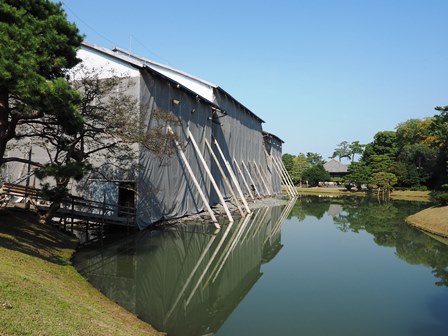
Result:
335,168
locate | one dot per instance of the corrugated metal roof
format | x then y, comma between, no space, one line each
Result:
272,136
194,84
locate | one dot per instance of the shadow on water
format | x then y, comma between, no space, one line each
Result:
186,279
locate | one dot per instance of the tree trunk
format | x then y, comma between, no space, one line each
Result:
48,215
4,124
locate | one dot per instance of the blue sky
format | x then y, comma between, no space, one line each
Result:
318,72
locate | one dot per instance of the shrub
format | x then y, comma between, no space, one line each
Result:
441,198
419,188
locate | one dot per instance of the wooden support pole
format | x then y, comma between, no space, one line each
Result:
266,177
223,174
262,179
209,174
256,177
272,170
244,179
282,165
290,179
195,181
251,179
283,177
233,177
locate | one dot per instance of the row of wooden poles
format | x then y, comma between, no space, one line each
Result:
240,201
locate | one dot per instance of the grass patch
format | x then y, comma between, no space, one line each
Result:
41,293
396,194
433,220
329,191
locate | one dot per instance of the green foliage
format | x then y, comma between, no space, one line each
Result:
380,162
342,151
316,174
420,160
288,161
38,46
71,169
383,180
441,197
348,150
358,174
419,188
356,149
297,165
440,127
384,145
314,159
300,164
337,180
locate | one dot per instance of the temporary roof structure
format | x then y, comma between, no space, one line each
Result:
219,151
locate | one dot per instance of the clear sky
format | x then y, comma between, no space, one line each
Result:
318,71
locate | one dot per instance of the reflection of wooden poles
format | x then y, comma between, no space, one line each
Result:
251,179
244,179
282,218
209,174
228,249
213,256
226,181
259,226
204,252
232,176
193,178
262,179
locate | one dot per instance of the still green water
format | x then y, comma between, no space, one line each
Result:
314,267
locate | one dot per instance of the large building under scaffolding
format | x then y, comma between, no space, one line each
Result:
220,151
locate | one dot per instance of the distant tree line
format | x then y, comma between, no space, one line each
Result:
413,156
306,167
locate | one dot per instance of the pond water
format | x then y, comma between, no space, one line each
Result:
316,266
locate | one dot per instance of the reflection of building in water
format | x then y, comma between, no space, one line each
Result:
334,210
187,281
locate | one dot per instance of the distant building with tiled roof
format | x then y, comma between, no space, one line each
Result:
335,168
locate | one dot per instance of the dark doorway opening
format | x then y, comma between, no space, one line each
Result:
126,198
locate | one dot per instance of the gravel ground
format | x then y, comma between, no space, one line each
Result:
220,214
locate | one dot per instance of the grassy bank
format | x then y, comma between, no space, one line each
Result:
396,194
433,220
42,294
